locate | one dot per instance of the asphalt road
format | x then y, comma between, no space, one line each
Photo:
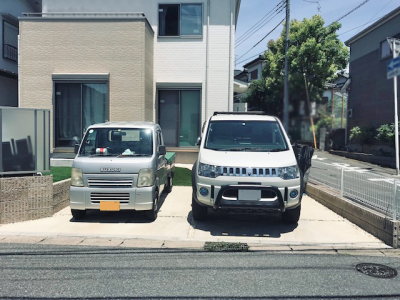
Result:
365,183
37,271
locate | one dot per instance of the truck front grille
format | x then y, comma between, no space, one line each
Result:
110,183
250,172
95,198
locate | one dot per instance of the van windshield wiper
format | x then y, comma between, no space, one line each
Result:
277,150
133,155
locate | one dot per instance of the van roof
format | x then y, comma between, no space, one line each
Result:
242,117
125,125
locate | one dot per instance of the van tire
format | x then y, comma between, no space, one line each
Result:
78,214
168,186
292,216
152,214
199,212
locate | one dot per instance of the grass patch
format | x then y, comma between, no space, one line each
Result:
225,247
60,173
183,177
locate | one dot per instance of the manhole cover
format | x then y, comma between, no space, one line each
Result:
376,270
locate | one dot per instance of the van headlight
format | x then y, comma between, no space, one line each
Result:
291,172
76,177
209,170
146,178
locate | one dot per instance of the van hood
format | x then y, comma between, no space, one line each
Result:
248,159
112,165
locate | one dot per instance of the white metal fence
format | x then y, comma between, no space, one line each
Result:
372,190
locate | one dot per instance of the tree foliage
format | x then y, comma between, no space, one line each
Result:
315,53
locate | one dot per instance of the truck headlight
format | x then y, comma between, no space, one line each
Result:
291,172
146,178
209,170
76,177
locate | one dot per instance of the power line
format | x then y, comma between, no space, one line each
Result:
265,36
259,21
351,11
247,58
249,33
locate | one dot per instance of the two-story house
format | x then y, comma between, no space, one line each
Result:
10,10
145,60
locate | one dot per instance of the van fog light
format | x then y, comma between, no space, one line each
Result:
203,191
294,193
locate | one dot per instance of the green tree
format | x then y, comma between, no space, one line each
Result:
315,55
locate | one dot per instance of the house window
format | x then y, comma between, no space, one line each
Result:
10,41
180,20
254,75
77,106
385,50
179,116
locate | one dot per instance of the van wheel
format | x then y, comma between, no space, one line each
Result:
152,214
292,216
168,186
199,212
78,214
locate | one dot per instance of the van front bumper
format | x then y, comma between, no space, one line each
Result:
85,198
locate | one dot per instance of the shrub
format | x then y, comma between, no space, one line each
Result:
386,134
362,135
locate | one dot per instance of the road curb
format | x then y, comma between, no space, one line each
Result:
371,221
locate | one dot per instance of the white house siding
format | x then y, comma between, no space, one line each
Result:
181,61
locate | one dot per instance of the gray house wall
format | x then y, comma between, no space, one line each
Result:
371,101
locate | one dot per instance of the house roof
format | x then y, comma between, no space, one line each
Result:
259,58
375,25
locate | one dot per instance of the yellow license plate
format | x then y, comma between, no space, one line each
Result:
109,205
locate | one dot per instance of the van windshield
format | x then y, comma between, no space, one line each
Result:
120,142
252,136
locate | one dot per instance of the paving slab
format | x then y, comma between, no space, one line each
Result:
138,243
317,229
62,240
22,239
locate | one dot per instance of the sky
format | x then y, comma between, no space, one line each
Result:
252,11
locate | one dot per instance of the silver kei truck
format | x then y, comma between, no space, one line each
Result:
121,166
247,164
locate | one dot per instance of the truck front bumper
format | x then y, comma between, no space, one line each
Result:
85,198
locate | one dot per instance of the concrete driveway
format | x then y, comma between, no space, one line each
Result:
318,228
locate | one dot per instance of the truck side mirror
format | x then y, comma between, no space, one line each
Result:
198,142
162,150
76,148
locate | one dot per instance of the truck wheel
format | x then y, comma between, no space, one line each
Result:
168,186
292,216
78,214
152,214
199,212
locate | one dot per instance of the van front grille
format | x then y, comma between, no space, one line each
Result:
95,198
250,172
110,183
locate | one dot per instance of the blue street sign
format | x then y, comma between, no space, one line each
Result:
393,68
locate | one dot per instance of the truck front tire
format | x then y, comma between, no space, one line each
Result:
152,214
199,212
292,216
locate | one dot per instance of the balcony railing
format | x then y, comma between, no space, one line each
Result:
10,52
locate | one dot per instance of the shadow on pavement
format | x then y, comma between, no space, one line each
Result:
123,216
224,224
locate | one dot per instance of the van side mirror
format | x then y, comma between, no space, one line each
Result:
198,142
76,148
162,150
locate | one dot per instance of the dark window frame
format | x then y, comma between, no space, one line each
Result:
200,35
7,19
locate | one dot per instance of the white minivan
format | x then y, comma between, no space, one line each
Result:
246,163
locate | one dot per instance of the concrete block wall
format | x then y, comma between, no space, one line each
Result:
31,197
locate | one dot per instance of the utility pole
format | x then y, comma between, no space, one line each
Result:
395,47
286,72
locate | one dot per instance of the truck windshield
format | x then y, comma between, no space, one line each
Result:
252,136
121,142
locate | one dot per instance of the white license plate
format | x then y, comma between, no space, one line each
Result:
249,195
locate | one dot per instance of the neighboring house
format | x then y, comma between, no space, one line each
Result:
145,60
254,68
371,99
10,10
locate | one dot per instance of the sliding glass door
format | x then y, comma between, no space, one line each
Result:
77,106
179,116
